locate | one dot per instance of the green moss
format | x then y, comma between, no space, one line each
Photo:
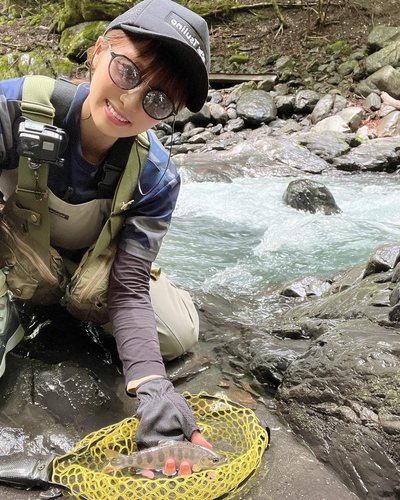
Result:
239,58
34,20
7,67
234,45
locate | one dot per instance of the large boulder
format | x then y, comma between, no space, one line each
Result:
386,79
389,56
341,396
381,36
310,196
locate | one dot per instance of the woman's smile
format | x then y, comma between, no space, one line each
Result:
115,116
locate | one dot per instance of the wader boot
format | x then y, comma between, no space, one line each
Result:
11,331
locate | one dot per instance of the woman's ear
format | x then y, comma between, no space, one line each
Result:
97,50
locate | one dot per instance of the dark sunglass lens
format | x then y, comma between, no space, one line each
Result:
157,104
124,73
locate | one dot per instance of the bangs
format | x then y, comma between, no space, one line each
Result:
159,67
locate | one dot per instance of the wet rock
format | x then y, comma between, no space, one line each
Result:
256,107
389,125
310,196
373,102
351,375
323,108
273,153
383,258
373,155
305,287
366,298
328,145
396,274
386,79
395,295
347,278
270,360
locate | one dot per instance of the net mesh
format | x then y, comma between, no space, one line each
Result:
233,430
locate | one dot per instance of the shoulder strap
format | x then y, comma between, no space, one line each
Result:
47,101
123,194
31,202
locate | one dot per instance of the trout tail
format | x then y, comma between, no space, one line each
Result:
114,459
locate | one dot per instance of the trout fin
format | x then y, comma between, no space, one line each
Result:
111,454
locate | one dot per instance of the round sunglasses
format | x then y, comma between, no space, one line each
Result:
126,75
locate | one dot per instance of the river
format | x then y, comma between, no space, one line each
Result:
236,240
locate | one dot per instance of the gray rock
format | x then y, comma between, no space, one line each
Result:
284,104
352,116
218,113
234,125
232,113
373,102
383,258
389,125
336,391
284,62
216,97
201,118
267,84
323,108
328,145
310,196
347,67
256,107
305,287
332,124
339,105
386,79
396,274
381,36
388,56
201,138
75,40
305,101
372,155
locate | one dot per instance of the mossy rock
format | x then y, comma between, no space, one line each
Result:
239,58
339,48
76,40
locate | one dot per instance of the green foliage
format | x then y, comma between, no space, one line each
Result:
34,20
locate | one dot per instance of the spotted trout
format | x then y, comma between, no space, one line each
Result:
199,457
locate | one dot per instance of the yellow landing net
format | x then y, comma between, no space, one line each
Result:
234,431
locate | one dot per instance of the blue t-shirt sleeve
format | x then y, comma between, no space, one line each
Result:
9,90
149,217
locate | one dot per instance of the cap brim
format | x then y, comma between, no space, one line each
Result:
196,70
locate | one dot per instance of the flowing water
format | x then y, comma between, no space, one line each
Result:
236,240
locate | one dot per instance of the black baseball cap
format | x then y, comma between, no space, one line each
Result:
185,32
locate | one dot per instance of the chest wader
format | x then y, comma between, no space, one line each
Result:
34,270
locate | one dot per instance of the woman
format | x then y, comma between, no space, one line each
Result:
152,61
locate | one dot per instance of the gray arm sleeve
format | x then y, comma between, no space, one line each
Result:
132,317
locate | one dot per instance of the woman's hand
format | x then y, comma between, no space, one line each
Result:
163,414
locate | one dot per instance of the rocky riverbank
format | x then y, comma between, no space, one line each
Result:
328,361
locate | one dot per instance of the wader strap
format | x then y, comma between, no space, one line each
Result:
61,99
123,194
115,164
31,192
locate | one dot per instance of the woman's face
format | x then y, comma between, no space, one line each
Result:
115,112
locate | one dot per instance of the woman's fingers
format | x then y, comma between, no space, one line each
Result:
197,438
